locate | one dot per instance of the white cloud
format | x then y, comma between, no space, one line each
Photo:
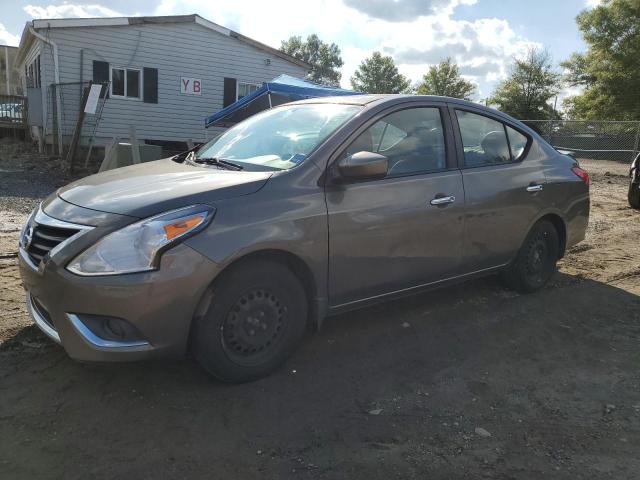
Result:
568,91
417,33
593,3
7,38
271,23
482,48
67,10
404,10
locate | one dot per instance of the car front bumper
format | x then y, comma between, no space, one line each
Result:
159,305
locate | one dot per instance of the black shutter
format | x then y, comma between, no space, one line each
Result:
101,75
230,85
150,87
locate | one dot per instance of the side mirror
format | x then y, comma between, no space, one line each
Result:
364,165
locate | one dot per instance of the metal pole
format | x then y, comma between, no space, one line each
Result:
135,150
8,69
269,95
555,104
637,142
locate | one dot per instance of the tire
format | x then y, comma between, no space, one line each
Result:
536,260
255,319
634,195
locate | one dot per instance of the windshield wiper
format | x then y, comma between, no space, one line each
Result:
181,157
214,161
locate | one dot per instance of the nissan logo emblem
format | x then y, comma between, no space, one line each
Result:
28,237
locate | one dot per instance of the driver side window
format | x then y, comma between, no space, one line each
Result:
411,139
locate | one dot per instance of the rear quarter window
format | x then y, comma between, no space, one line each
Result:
517,142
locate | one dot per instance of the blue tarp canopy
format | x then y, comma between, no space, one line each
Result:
282,89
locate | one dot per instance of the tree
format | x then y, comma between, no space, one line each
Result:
444,79
532,82
608,71
379,74
324,58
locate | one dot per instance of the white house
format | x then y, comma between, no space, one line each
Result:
165,74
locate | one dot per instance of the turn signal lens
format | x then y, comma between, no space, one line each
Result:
581,173
176,229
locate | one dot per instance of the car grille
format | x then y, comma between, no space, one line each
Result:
45,238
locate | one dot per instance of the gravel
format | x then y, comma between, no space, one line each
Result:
26,178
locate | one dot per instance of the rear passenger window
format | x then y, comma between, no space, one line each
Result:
518,143
411,139
484,140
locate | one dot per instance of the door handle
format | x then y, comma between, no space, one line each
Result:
443,200
536,187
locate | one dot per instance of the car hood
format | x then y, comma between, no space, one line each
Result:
153,187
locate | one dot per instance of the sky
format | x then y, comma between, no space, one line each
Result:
482,36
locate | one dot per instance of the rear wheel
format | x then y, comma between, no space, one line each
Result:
256,317
536,260
634,195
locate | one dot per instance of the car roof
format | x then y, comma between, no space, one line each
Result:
370,100
345,99
390,99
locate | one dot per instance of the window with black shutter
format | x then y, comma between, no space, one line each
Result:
150,85
230,85
101,75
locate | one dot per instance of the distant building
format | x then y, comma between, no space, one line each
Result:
9,80
165,74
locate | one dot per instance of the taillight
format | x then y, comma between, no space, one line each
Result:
581,173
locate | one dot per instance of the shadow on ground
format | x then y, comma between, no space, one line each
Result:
394,391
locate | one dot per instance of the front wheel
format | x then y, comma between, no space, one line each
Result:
634,195
536,260
256,317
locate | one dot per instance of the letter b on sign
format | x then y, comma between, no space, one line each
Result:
196,86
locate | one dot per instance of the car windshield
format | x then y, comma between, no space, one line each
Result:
280,138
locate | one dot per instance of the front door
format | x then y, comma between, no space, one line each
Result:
404,230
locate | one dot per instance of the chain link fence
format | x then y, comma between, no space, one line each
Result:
605,140
64,101
13,116
65,106
600,140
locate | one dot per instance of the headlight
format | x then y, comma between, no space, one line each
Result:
137,247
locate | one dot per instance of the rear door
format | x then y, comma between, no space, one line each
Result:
504,187
405,230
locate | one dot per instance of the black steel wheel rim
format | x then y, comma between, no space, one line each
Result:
253,327
537,264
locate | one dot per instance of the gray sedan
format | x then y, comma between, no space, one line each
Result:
231,251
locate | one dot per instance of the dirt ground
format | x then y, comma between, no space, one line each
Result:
472,381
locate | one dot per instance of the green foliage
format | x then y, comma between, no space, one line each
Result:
444,79
324,58
529,87
379,74
609,70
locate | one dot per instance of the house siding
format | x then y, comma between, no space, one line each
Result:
38,48
181,49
